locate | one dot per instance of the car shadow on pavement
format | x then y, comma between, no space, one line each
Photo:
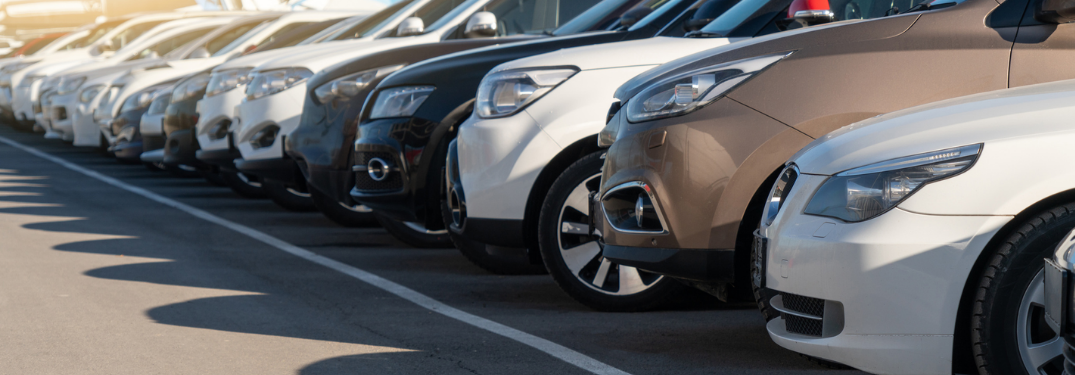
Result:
283,296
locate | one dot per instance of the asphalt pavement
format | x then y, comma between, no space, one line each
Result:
100,277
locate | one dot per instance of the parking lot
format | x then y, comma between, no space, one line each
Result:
101,276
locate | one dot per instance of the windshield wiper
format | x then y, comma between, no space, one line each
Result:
702,34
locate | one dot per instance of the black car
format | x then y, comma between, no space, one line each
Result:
322,145
412,147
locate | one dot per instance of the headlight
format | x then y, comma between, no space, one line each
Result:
104,106
28,81
689,91
863,193
348,86
69,85
273,81
87,94
400,101
193,87
5,80
227,80
139,100
127,133
160,103
505,93
12,68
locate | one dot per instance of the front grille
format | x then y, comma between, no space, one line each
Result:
802,326
363,181
805,305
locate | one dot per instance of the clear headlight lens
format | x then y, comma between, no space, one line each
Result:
139,100
15,67
504,93
864,193
400,101
193,87
28,81
690,91
227,80
273,81
348,86
70,84
160,103
87,94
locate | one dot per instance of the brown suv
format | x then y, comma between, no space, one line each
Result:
696,144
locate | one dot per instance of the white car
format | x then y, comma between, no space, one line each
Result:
70,41
228,81
67,82
203,54
276,92
914,242
101,44
151,127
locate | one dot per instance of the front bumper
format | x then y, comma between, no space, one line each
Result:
60,115
213,111
220,158
890,285
731,151
181,148
23,102
283,109
281,170
402,193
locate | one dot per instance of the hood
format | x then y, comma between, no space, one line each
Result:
94,69
319,59
255,59
832,33
651,51
995,116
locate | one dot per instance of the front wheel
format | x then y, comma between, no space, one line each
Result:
1009,333
490,258
350,217
573,256
414,234
290,198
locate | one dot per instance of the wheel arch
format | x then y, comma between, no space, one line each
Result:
544,181
962,355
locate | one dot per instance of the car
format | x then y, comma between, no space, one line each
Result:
321,145
915,242
1057,299
736,133
69,41
532,165
66,84
228,83
151,128
276,91
127,125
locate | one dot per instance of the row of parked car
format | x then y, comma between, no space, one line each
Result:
885,178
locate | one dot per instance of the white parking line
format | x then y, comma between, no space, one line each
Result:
549,347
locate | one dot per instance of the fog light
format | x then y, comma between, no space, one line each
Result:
630,208
265,138
220,130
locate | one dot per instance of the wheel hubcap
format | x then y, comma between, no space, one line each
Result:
1039,346
582,253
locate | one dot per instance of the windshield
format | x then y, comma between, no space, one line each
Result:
331,31
537,16
735,16
442,11
231,39
283,32
601,16
39,44
99,32
126,36
170,43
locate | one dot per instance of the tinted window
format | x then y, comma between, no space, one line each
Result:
284,31
697,16
170,44
126,36
601,16
231,38
535,16
372,23
438,12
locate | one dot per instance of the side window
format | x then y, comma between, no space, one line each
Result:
535,16
218,43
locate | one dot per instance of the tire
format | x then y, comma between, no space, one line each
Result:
183,171
573,257
479,253
413,235
761,295
290,198
1010,291
339,213
243,185
213,178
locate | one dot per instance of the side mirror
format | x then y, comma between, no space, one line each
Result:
1056,11
814,17
631,17
199,53
411,26
481,25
